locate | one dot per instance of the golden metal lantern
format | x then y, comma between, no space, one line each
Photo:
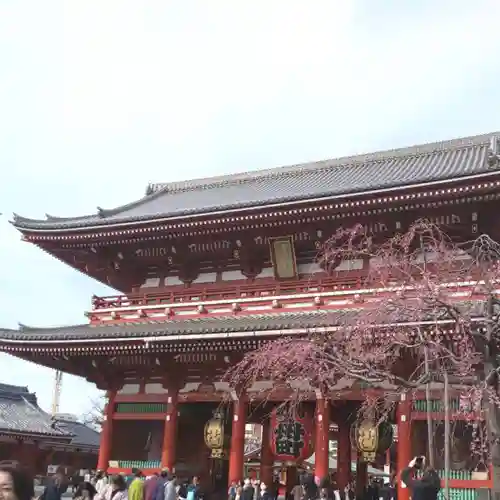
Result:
371,438
214,435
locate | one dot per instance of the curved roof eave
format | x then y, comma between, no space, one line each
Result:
405,168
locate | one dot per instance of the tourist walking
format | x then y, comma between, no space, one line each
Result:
150,486
56,487
248,490
116,489
193,490
101,481
264,493
159,493
231,492
85,491
136,488
171,489
297,492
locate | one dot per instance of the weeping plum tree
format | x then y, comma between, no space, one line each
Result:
427,307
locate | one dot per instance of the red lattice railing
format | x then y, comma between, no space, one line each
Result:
226,292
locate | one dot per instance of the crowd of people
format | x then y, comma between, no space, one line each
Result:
158,486
16,484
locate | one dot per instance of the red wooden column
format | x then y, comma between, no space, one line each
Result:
237,452
266,454
106,433
343,454
170,433
404,443
322,430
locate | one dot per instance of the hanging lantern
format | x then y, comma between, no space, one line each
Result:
291,437
371,439
214,435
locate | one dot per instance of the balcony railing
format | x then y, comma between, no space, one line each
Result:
226,292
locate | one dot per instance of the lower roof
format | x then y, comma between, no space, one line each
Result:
398,168
235,325
176,327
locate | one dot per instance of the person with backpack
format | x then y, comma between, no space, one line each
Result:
193,490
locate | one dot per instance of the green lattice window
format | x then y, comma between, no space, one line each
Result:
140,408
436,405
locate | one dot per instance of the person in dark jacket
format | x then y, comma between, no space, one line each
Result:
425,488
311,491
56,487
193,491
248,492
389,491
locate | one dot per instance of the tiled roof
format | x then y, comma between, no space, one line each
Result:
83,435
439,161
20,414
177,328
211,324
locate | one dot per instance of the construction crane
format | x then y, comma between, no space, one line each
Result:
56,397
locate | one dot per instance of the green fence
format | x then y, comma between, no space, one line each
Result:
139,464
459,494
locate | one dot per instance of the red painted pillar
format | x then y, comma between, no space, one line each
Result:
343,454
404,443
106,433
237,451
322,430
170,433
266,454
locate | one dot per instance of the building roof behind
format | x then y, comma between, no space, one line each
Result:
20,414
83,435
341,177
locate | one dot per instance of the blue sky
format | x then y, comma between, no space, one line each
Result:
98,98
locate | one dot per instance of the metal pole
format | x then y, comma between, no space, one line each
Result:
446,437
430,427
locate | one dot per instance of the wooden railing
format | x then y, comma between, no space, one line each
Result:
225,291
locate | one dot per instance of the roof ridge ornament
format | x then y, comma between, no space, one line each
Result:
494,152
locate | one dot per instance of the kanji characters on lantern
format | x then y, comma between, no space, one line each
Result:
291,437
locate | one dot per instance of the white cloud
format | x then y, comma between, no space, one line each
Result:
98,98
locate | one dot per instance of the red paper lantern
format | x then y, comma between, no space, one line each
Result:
291,437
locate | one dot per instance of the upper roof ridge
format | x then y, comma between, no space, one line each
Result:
17,389
302,168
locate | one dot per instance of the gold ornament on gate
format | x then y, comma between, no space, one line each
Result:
367,440
214,435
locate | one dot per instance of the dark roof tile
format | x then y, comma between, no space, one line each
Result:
339,177
20,413
83,435
213,324
279,320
